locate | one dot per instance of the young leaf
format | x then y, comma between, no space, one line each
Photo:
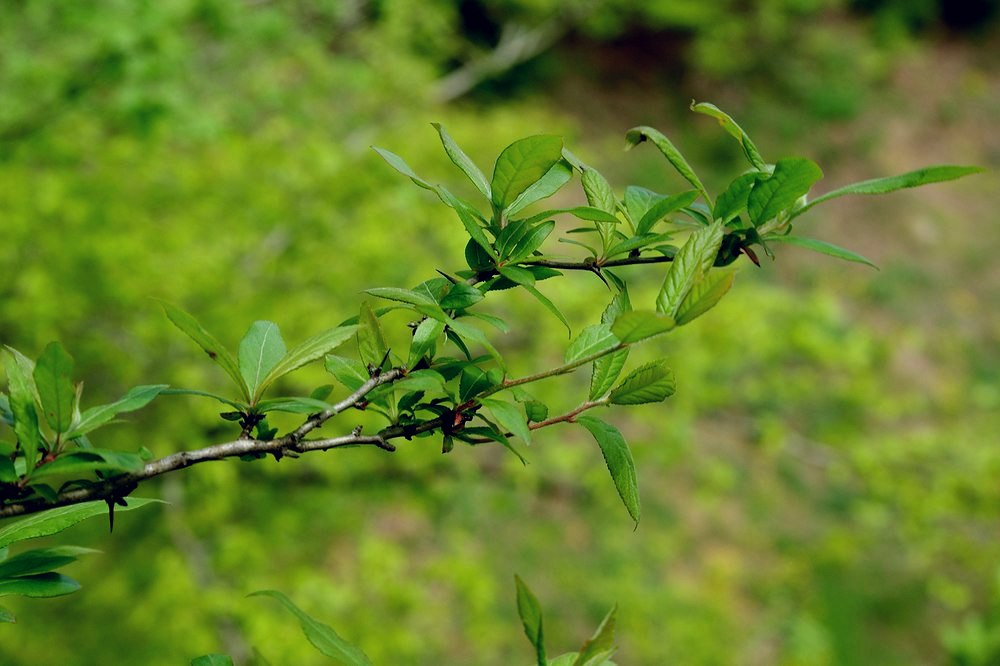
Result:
422,380
598,191
135,398
424,339
43,585
558,175
299,405
469,220
212,660
531,617
190,327
652,382
56,520
593,339
606,371
925,176
618,458
536,411
792,178
397,163
240,406
637,135
322,636
315,347
462,161
704,295
691,264
639,325
521,164
470,333
526,279
728,124
638,201
22,406
349,372
261,349
600,647
733,201
664,207
823,248
531,241
460,296
401,295
509,417
371,340
54,380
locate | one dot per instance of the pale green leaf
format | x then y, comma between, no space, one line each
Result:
558,175
606,371
823,248
691,264
21,394
308,351
600,647
704,295
521,164
637,135
792,179
509,417
593,339
652,382
728,124
261,349
639,325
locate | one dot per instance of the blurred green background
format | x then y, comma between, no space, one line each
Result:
821,490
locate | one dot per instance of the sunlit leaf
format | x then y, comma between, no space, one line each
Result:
509,416
597,649
704,295
691,264
637,135
312,349
261,349
663,207
530,612
606,371
593,339
462,161
618,458
792,178
823,248
212,660
521,164
652,382
728,124
558,175
190,327
639,325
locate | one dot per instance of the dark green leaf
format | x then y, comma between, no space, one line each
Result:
558,175
691,264
261,349
473,382
664,207
54,380
212,660
728,124
80,462
823,248
792,178
925,176
593,339
22,406
637,135
190,327
639,325
618,458
509,416
518,275
322,636
460,296
636,243
652,382
137,397
39,585
462,161
589,213
521,164
733,201
704,295
495,322
56,520
314,348
606,371
530,612
41,560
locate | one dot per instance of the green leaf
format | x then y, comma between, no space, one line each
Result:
212,660
618,458
424,339
521,164
401,296
704,295
261,349
509,416
39,585
635,243
8,473
41,560
314,348
536,411
530,612
469,220
232,403
691,264
925,176
733,201
664,207
728,124
80,462
22,405
293,405
598,191
549,305
422,380
462,161
135,398
517,275
473,381
823,248
593,339
639,325
470,333
606,371
792,178
638,201
397,163
349,372
190,327
600,647
56,520
460,296
588,213
637,135
371,340
558,175
652,382
54,380
531,241
322,636
6,615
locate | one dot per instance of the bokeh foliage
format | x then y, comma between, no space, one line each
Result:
821,490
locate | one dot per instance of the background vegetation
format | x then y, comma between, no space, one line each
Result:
822,488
